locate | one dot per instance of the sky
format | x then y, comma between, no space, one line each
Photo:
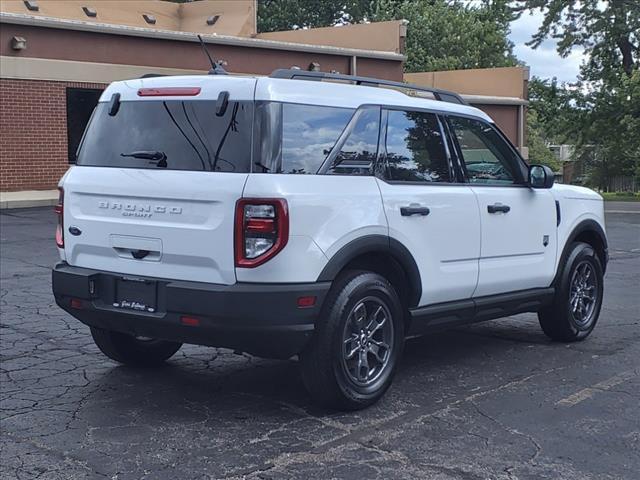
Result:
543,61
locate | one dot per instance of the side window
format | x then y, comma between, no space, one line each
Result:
487,158
359,151
308,134
414,147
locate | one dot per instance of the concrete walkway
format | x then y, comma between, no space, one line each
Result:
28,198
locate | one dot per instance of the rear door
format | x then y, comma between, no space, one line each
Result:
434,217
518,222
156,184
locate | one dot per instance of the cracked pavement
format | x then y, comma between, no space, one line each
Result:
491,401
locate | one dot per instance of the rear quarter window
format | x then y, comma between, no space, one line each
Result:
188,133
295,138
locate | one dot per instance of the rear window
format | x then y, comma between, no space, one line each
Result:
176,135
296,138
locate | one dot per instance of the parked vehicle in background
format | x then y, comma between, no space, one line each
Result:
282,216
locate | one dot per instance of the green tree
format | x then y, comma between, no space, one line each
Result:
610,30
539,153
277,15
604,105
451,34
442,34
554,110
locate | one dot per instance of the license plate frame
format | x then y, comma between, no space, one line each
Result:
136,294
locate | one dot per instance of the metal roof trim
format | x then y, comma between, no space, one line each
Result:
493,100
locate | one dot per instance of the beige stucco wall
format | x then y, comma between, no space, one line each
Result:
381,36
498,82
237,17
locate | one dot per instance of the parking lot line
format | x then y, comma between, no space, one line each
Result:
589,392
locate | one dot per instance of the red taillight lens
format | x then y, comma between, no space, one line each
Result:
169,92
190,321
77,304
59,209
306,302
261,230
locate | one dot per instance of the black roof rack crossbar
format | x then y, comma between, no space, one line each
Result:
293,74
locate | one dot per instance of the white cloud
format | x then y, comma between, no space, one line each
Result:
544,61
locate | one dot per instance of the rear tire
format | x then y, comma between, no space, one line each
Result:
133,351
357,344
578,300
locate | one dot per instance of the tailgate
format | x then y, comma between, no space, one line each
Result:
166,224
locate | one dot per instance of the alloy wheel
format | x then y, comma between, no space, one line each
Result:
367,342
583,293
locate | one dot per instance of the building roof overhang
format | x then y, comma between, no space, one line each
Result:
66,24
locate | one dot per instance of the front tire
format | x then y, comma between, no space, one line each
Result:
358,342
131,350
576,307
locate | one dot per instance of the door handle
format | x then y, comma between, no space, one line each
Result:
414,210
498,207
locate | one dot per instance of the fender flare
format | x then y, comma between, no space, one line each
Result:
588,225
376,244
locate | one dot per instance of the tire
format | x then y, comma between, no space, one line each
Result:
133,351
573,316
358,302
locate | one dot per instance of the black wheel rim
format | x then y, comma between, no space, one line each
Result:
367,341
583,293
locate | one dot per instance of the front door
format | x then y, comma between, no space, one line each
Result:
431,215
518,222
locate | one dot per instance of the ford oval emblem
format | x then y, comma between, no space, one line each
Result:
75,231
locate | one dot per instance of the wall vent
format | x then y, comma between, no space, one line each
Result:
31,5
150,19
90,12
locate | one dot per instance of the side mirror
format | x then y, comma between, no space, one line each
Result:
540,176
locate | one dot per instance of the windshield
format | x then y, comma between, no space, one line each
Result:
174,134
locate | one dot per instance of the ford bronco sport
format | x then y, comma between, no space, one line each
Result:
318,215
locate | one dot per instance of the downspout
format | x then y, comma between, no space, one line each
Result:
520,127
353,67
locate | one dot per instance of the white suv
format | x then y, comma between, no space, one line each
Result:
312,214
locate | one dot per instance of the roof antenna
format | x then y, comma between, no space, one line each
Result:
216,67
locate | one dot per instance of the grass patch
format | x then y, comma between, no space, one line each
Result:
621,196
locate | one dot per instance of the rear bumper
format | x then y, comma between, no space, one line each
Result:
262,319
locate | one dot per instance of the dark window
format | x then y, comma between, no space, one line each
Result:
486,155
415,149
80,105
188,133
293,138
358,153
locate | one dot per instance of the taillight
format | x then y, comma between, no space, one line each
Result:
169,92
261,230
59,209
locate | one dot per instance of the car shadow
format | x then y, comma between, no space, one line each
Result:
240,386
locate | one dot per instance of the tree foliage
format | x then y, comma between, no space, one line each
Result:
609,30
442,34
277,15
447,35
600,113
539,153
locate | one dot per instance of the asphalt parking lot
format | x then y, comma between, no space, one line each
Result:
492,401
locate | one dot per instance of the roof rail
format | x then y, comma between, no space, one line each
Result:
293,74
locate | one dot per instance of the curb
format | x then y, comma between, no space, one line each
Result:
26,199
